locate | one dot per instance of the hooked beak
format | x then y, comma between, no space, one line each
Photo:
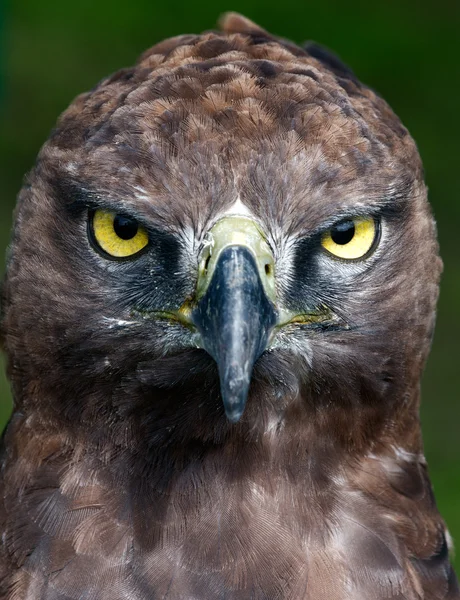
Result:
235,313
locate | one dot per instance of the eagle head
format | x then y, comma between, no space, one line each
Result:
219,300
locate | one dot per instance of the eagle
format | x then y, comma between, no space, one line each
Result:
219,300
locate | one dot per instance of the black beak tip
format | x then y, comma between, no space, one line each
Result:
234,400
234,385
233,414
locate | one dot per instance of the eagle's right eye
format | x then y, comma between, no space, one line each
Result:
351,239
117,235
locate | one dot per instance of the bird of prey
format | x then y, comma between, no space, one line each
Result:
219,299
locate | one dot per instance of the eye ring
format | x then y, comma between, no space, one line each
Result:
130,241
353,239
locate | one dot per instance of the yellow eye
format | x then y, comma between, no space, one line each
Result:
352,238
118,235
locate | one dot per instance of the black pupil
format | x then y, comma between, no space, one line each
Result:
343,233
125,227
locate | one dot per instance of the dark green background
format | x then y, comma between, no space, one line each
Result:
409,51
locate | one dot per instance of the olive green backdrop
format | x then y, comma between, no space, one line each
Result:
407,50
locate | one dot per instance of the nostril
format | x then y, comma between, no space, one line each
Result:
268,269
206,263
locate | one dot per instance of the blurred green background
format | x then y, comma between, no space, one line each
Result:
409,51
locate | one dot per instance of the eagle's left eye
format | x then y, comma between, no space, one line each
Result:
351,238
119,236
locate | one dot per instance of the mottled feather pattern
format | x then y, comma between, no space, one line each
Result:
121,477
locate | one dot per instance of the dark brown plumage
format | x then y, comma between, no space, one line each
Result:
122,478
